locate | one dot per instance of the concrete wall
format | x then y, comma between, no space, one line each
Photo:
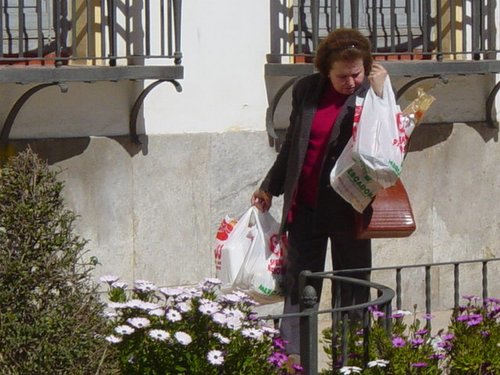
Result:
151,211
154,216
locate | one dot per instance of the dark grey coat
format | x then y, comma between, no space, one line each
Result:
333,213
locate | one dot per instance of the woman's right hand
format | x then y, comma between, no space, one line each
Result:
262,200
377,77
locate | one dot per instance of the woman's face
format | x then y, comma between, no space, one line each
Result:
347,76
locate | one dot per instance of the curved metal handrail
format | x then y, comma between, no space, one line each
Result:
309,315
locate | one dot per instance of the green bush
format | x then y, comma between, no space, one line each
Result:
51,320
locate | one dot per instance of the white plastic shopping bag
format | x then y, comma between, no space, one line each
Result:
374,155
261,273
233,242
349,178
381,135
352,182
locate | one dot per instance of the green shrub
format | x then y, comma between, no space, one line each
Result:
51,320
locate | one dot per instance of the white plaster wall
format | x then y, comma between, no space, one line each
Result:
224,44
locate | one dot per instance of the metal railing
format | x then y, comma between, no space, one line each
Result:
397,29
90,32
385,296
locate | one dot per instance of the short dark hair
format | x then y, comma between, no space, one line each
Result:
343,45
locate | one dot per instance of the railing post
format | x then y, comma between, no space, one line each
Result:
485,280
456,285
428,295
177,28
315,23
308,326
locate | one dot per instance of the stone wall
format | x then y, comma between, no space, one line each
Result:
152,212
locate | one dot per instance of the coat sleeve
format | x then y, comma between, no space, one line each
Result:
274,181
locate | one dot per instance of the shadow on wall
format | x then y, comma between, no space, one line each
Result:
58,149
422,138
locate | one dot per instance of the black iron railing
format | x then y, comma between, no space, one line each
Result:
89,31
421,39
385,296
89,41
397,29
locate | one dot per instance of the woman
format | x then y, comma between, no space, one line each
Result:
320,127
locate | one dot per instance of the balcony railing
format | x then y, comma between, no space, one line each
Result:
398,29
91,34
52,42
422,39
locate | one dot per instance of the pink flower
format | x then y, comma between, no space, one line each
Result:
398,342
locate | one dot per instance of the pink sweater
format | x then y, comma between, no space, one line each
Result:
328,109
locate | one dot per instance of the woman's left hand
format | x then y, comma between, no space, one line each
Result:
377,78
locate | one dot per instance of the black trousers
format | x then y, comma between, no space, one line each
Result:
307,251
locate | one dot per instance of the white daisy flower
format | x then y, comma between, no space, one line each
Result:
350,370
144,286
378,363
119,285
215,357
183,338
219,318
213,281
232,297
150,306
113,339
222,339
193,292
184,307
110,314
252,333
156,312
236,313
117,305
233,323
110,279
137,304
241,294
124,330
159,334
209,308
171,292
139,322
270,330
173,315
183,297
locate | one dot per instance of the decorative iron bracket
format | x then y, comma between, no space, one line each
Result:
409,84
9,122
489,106
138,103
271,131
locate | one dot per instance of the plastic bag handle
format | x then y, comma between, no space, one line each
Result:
243,222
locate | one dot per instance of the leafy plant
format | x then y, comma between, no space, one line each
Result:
50,314
473,344
190,331
470,345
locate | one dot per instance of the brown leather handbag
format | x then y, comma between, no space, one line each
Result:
388,216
